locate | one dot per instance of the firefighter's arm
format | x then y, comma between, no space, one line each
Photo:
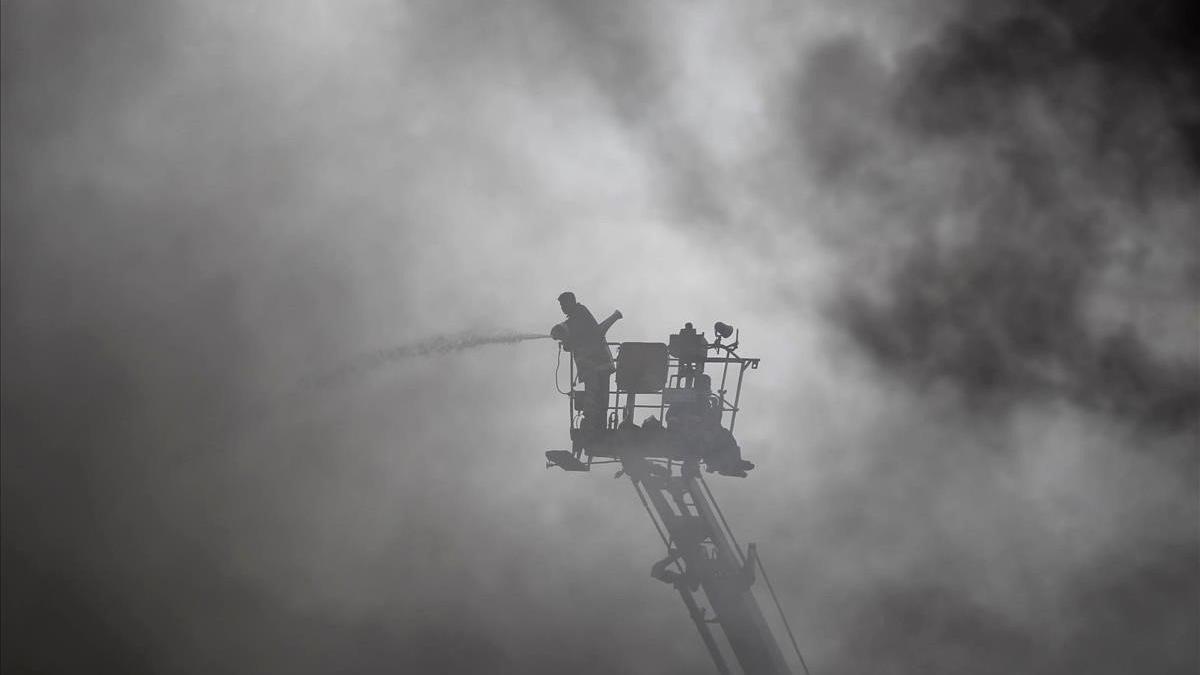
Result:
561,333
607,323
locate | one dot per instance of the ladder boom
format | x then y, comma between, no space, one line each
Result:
707,559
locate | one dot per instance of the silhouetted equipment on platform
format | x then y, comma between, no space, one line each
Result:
664,405
665,419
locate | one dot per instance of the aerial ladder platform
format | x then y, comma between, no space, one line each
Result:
665,420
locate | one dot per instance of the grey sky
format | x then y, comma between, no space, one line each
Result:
206,203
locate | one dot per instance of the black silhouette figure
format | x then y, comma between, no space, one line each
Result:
584,338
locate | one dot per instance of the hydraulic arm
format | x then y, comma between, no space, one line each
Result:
665,419
701,555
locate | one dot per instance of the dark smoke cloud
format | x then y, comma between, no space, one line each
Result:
979,457
1020,232
1072,128
1001,306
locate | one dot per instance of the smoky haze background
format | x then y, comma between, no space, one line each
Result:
961,236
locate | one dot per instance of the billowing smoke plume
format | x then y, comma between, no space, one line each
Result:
1016,207
1057,254
961,235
